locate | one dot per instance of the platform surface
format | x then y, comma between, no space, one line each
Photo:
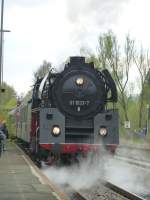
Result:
18,180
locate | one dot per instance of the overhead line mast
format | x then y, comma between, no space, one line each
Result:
1,46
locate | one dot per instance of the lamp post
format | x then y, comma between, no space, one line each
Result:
1,45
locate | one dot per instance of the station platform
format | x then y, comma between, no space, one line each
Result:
18,180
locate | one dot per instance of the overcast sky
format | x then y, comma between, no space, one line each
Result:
53,30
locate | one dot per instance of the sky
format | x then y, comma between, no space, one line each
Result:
53,30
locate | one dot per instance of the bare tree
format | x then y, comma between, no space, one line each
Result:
42,70
118,61
110,57
142,61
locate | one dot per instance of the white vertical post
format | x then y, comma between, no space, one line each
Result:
148,107
1,44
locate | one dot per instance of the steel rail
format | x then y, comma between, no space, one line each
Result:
77,196
143,164
123,146
72,193
122,191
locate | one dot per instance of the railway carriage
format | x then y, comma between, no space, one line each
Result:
71,112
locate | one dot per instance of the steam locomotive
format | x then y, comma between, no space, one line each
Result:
71,112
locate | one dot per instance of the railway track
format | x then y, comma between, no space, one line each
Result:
123,192
109,192
134,155
72,193
143,164
134,147
137,153
146,196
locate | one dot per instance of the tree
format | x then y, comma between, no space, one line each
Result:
147,89
8,94
8,101
142,61
117,61
42,70
120,69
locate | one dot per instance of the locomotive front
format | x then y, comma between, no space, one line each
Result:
78,91
73,114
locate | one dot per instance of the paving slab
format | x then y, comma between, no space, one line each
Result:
18,181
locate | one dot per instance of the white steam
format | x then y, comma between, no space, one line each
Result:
126,176
89,173
79,177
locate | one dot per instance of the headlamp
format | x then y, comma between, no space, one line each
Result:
103,131
56,130
79,81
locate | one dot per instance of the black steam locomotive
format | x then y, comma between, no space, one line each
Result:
71,112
